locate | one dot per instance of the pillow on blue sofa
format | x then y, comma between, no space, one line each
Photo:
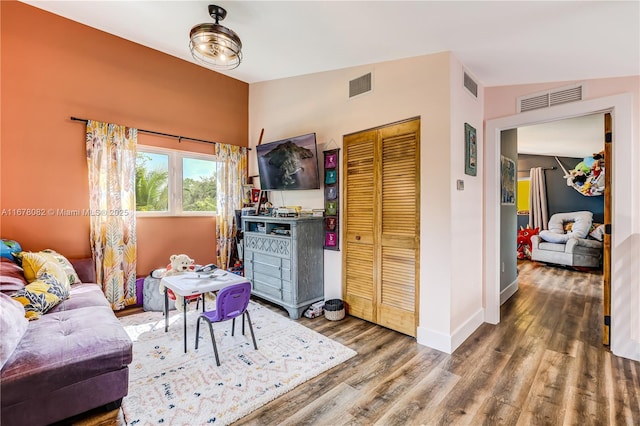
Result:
41,295
13,325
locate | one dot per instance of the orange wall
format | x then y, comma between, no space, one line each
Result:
53,68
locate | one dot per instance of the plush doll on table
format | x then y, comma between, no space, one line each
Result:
178,264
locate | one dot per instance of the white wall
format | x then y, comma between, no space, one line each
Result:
426,86
466,211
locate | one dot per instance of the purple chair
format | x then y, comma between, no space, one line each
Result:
232,301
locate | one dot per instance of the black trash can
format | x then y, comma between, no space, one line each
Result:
334,309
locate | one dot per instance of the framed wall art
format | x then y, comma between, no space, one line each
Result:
331,200
470,150
508,181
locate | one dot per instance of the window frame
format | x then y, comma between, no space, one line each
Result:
175,181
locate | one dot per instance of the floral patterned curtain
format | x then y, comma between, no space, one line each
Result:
111,156
232,173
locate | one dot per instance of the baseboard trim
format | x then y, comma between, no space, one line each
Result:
509,291
449,343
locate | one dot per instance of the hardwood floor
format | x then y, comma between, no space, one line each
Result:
543,364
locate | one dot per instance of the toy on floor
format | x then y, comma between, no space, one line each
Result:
524,241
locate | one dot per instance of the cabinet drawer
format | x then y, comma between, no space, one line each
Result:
272,282
266,288
280,290
270,265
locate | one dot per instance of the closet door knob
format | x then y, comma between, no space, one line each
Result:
357,237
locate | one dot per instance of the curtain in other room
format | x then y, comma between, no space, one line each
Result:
538,212
232,171
111,157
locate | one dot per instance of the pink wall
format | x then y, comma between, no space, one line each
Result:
54,68
501,101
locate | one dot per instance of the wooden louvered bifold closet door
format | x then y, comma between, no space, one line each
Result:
397,308
382,225
359,222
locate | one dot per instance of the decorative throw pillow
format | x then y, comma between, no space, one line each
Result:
41,295
36,264
8,247
67,267
597,233
13,325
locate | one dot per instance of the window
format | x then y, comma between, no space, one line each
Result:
175,183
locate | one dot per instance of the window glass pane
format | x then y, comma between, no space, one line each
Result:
198,185
152,182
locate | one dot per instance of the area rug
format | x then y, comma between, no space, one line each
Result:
170,387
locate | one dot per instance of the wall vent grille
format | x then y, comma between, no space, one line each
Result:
360,85
470,85
550,98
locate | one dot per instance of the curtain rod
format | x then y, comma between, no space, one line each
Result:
169,135
543,168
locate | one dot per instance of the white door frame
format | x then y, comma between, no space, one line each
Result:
625,285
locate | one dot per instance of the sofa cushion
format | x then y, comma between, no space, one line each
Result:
13,325
552,247
83,295
86,269
11,277
63,348
41,295
63,262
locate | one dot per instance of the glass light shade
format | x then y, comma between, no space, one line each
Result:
215,46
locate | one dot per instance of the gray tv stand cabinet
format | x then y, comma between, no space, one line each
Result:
284,260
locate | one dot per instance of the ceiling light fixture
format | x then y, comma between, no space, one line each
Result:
214,45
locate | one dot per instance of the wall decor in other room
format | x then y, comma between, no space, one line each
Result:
508,181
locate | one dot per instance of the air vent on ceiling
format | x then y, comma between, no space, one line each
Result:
470,85
550,98
360,85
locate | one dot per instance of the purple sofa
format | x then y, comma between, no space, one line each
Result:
73,359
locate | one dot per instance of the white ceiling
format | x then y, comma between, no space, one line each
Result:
500,43
574,137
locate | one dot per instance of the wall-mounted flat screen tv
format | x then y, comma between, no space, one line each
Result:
289,164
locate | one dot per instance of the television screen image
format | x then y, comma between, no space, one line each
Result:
289,164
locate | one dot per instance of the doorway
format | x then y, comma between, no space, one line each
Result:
546,154
620,106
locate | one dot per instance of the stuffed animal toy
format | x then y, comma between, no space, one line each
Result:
598,164
178,264
524,241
